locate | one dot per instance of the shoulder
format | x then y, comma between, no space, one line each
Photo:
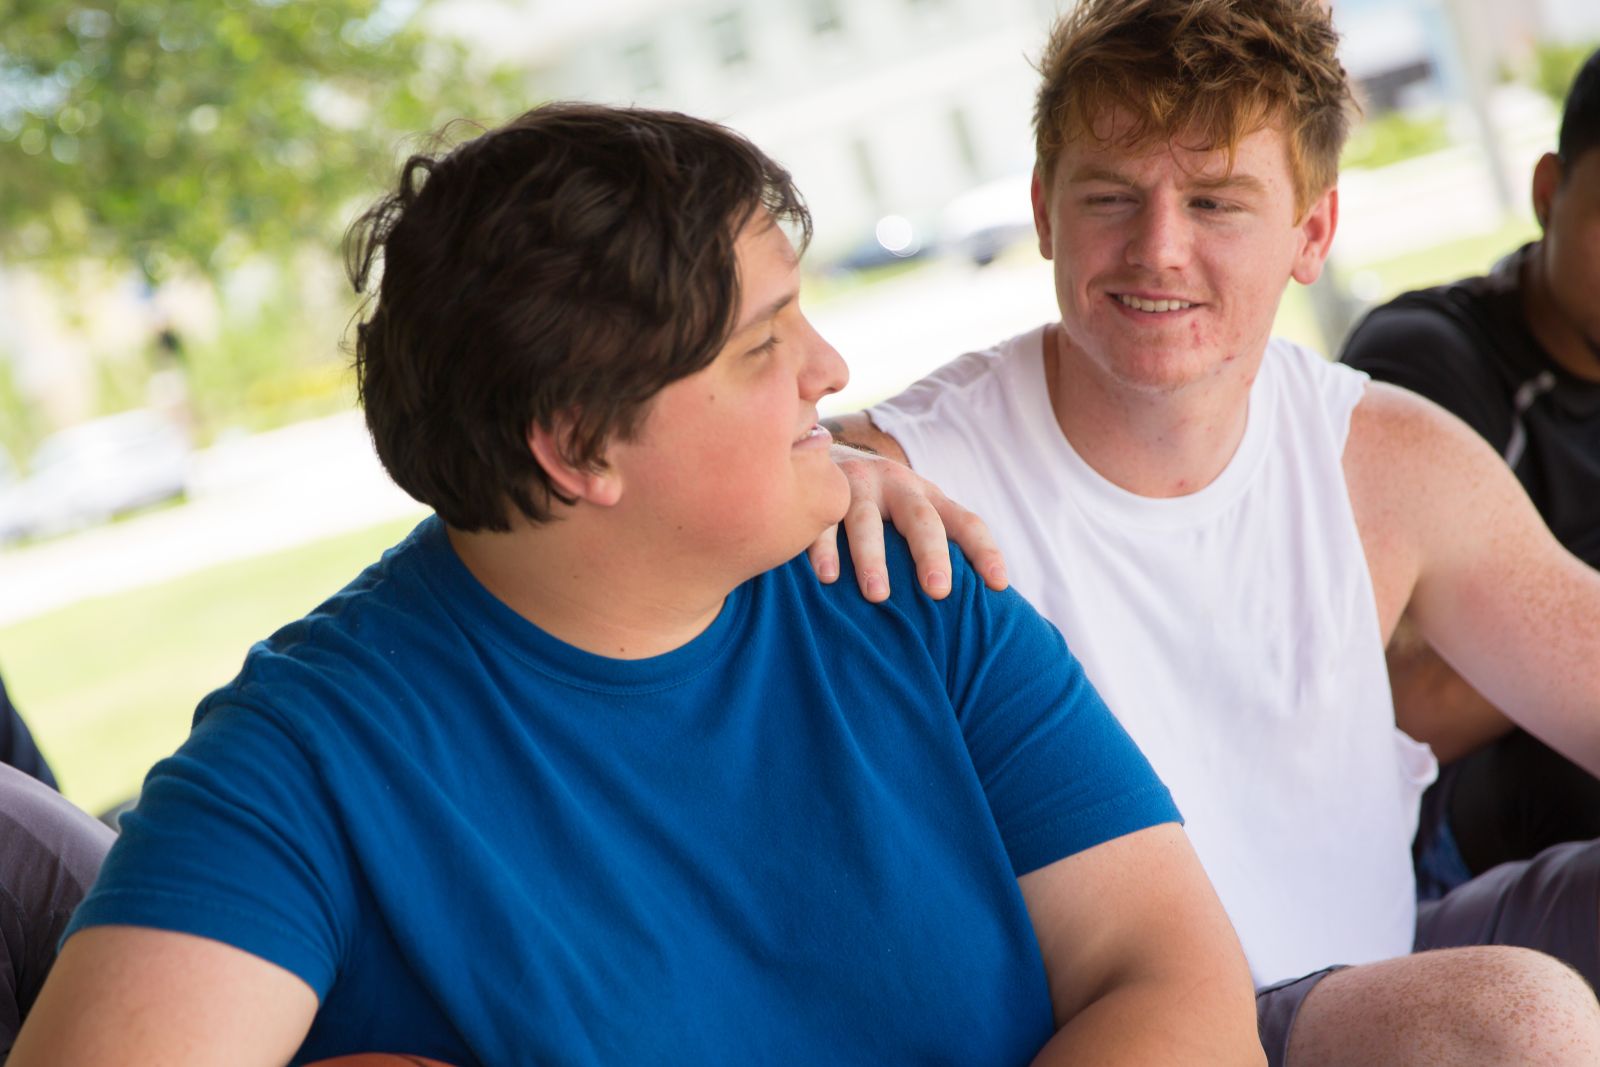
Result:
969,382
1310,369
1420,329
1304,383
1456,345
1414,469
1388,414
1400,442
909,617
955,424
376,626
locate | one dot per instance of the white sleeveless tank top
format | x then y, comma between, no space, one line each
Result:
1233,631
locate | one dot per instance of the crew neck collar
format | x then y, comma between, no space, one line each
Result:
1097,492
471,600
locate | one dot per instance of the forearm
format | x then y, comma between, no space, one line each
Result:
1434,704
1193,1020
857,431
1540,658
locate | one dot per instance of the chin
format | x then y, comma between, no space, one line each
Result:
828,496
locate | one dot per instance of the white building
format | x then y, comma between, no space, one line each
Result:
878,107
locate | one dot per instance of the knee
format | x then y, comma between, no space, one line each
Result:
1515,1005
1480,1006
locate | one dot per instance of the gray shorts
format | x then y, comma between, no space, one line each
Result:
1550,903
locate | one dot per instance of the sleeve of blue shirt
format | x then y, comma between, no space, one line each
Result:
234,840
1060,773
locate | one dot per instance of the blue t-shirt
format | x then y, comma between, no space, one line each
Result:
795,839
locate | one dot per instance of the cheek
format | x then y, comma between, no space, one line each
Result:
1579,267
1574,276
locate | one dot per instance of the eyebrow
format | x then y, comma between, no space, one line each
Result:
763,314
1245,182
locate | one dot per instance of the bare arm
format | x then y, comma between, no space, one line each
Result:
1436,705
124,996
1143,965
883,486
1452,538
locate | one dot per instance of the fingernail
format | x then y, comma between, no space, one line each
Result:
828,572
877,586
938,582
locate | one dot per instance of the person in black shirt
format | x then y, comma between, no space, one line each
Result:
17,746
1516,355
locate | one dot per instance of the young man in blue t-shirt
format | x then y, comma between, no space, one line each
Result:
589,769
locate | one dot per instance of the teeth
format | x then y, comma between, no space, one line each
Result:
1152,305
816,430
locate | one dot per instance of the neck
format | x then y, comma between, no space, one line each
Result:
1557,334
1149,442
581,586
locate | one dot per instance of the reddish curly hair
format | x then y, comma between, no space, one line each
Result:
1210,71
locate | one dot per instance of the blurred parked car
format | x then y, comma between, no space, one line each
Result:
95,471
894,239
983,222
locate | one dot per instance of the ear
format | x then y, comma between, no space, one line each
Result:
1316,237
1546,179
1041,213
599,485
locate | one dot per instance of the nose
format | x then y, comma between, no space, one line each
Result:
822,369
1161,236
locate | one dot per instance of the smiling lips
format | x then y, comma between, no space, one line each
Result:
1140,304
814,434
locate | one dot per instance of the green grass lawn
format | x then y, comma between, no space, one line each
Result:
108,685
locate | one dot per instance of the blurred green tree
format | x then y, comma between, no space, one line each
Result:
172,134
1556,63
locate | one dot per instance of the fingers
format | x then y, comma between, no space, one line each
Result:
824,555
908,504
883,490
972,534
919,523
863,528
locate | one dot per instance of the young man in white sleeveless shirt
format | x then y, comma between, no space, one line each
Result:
1228,528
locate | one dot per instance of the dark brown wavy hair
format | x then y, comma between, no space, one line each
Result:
558,271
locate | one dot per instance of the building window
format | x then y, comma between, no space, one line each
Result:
728,39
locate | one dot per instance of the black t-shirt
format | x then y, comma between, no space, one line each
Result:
1467,347
17,746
